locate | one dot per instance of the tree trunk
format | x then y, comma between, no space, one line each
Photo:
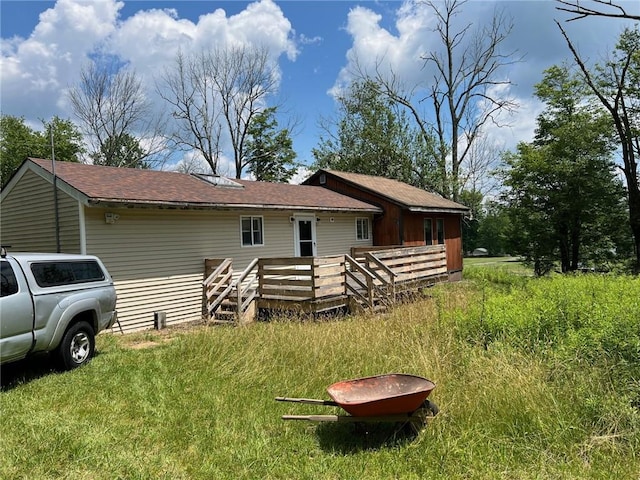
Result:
634,220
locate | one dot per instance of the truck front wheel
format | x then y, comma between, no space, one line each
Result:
77,346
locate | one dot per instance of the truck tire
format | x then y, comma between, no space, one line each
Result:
77,346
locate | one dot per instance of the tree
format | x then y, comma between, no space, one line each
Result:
616,85
563,192
121,151
373,137
594,8
269,152
471,224
493,228
68,143
466,75
214,97
110,103
19,141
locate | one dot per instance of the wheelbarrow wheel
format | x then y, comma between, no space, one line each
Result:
430,407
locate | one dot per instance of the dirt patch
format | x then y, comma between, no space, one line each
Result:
156,338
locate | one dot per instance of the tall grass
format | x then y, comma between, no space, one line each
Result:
200,403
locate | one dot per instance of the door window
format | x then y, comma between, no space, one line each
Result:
305,238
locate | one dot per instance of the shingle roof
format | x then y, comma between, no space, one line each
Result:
404,194
152,187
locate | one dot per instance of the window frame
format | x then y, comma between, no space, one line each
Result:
58,273
252,232
367,222
10,283
428,241
440,223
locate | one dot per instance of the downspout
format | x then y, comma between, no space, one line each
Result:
55,191
83,228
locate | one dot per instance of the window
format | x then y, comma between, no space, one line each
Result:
428,231
52,274
362,228
9,282
440,230
251,231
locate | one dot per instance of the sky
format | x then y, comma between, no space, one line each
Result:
45,44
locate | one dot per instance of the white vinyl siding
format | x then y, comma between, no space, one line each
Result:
337,237
28,219
156,257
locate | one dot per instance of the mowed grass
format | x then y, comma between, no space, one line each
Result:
199,403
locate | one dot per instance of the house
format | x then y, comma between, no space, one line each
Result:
153,229
410,216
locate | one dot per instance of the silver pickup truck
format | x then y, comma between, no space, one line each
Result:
53,303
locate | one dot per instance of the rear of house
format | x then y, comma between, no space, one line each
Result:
410,216
153,230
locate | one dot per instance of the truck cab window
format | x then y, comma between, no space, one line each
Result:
9,284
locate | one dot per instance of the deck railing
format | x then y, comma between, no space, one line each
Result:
246,290
314,284
218,284
367,287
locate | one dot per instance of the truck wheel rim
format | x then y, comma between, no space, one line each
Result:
80,347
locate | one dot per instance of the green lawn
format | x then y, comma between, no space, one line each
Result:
199,403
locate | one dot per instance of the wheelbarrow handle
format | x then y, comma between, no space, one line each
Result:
311,401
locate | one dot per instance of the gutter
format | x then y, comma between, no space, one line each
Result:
221,206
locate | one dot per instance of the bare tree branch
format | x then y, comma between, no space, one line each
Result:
214,97
116,117
601,8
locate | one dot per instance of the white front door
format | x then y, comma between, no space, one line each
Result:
305,236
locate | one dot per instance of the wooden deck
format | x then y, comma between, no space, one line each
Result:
369,279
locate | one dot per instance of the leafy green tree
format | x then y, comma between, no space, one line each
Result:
269,152
562,187
372,136
616,85
67,140
122,150
470,226
493,228
19,141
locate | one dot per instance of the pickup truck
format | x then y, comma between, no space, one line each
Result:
53,303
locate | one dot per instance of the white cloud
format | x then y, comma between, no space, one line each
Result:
397,48
35,72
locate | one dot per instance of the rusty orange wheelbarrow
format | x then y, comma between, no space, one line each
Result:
395,397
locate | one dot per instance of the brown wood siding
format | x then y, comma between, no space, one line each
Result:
453,241
386,227
398,227
414,235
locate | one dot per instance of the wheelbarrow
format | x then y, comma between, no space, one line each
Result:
391,398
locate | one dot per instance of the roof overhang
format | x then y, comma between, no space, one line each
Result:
458,211
117,203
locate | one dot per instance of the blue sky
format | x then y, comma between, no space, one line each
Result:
44,45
